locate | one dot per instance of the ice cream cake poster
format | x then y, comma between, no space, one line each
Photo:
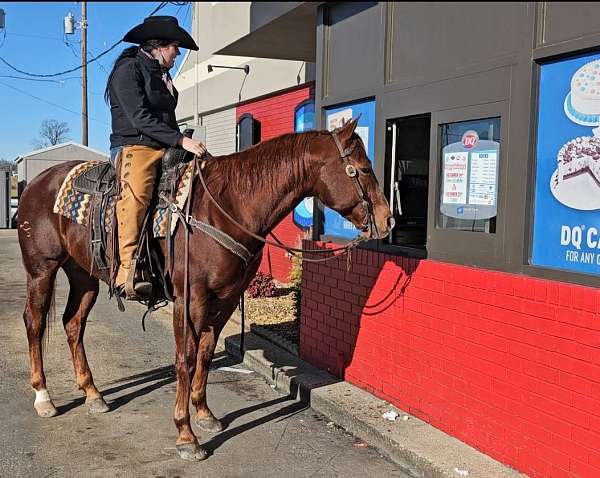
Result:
566,224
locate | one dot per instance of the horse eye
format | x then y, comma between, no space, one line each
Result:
366,170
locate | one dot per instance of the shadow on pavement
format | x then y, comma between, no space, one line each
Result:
282,413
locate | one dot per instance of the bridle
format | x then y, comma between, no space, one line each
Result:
369,223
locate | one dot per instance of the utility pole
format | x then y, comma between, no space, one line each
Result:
84,102
69,26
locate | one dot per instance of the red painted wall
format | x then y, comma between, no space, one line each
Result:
276,117
506,363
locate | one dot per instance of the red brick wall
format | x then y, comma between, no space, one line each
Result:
506,363
276,117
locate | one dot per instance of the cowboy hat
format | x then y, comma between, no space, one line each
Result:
160,28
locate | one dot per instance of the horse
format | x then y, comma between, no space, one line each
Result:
258,187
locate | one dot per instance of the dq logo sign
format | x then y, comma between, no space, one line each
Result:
469,139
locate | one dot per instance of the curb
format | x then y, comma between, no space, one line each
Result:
275,338
421,450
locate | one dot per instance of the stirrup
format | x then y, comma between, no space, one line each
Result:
141,291
135,290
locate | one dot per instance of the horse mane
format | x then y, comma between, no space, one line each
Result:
275,165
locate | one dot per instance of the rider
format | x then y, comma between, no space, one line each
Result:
142,102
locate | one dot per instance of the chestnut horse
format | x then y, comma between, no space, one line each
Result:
258,187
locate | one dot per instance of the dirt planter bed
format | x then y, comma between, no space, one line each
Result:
275,318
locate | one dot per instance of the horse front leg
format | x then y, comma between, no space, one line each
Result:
205,418
185,355
206,349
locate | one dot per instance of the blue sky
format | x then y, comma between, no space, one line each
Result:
35,43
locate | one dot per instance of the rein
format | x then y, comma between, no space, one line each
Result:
366,203
292,250
239,250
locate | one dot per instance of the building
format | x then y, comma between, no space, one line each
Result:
5,199
232,108
480,314
29,165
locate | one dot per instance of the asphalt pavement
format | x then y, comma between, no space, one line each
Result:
267,434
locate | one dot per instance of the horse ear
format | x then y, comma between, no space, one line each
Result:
345,131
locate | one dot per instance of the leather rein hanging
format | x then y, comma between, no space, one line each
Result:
351,171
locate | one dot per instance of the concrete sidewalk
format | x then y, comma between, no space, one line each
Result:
419,448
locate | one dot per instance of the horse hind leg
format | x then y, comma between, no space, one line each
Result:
40,286
82,297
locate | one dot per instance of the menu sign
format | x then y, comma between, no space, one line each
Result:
470,178
482,183
455,178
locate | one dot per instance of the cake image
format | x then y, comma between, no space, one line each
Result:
582,104
579,156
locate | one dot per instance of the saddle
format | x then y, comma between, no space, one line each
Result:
100,183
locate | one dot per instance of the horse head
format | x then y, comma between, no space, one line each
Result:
347,183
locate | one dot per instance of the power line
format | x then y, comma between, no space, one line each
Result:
37,75
53,75
49,102
77,55
62,80
178,9
70,45
187,12
100,65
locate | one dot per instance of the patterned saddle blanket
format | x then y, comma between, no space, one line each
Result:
77,205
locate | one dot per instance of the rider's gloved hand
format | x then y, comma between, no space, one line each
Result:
192,146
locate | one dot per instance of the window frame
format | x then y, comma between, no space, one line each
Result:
321,109
302,104
439,216
256,130
467,247
541,56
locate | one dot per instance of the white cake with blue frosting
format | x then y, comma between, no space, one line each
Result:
582,105
585,89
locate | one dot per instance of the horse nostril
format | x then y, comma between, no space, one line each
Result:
391,222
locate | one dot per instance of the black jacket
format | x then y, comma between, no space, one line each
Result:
141,106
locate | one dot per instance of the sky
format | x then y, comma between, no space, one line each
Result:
33,41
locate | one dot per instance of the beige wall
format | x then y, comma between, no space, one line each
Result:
21,170
213,27
220,132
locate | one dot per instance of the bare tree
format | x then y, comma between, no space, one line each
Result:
5,164
52,132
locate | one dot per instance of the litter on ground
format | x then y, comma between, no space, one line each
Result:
391,416
235,370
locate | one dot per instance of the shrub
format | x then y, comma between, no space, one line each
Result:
261,286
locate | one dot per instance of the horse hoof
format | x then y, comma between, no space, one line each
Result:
97,405
192,452
45,409
209,424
